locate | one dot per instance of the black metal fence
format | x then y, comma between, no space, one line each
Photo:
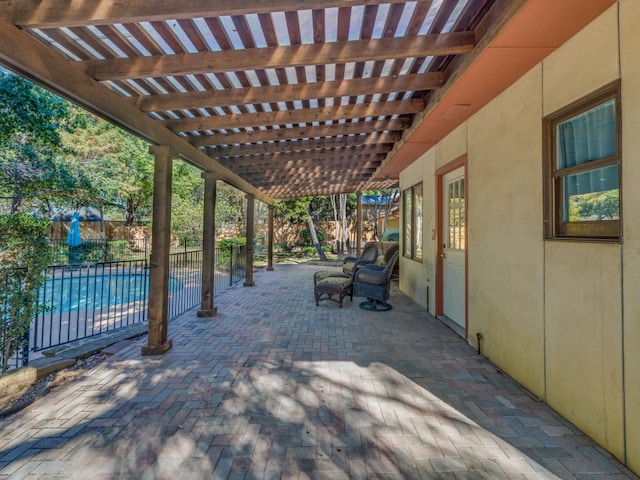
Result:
100,250
83,301
87,299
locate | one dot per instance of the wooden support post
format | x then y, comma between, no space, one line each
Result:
160,250
270,240
248,281
358,223
207,308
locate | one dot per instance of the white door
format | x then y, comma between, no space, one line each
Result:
453,246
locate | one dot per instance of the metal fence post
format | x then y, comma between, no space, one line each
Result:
25,349
231,265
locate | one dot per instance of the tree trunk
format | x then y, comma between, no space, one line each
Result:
314,239
336,223
343,218
102,229
130,216
5,354
16,201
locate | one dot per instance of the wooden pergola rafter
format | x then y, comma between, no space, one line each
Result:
279,98
213,77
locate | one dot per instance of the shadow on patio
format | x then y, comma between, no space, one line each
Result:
275,387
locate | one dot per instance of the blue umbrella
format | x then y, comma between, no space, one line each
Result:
74,239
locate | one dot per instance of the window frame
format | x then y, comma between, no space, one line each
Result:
412,217
555,227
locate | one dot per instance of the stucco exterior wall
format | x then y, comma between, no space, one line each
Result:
416,278
629,18
505,251
583,297
561,317
583,339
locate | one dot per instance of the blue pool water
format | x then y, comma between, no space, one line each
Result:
90,292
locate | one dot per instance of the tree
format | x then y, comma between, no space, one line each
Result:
231,210
340,204
380,205
303,209
24,255
604,205
31,120
118,166
187,203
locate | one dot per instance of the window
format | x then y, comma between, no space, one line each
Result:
582,168
412,217
456,216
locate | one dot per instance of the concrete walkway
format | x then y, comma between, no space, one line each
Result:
275,387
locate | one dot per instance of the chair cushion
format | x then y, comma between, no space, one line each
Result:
342,282
322,274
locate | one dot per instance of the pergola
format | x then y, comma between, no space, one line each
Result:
280,98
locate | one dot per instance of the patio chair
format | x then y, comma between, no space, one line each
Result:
374,283
387,256
352,264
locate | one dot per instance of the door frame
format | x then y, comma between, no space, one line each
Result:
440,173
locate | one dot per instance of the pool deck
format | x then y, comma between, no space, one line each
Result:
275,387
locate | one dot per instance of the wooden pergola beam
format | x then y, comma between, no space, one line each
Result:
321,178
319,188
500,13
255,136
287,93
304,145
280,158
69,13
33,60
355,163
454,43
323,114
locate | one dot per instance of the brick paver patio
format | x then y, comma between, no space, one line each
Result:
276,387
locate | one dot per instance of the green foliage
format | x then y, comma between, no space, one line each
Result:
24,255
117,166
31,120
292,209
187,203
297,210
306,236
229,252
227,243
595,206
231,209
308,250
90,252
27,110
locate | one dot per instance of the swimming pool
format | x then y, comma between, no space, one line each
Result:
71,293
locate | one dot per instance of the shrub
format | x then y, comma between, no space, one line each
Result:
226,249
306,236
24,255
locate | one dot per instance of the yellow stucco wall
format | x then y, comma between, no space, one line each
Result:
505,259
583,314
562,318
585,62
630,65
417,278
451,147
583,338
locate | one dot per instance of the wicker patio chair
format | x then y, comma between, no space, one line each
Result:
352,264
374,283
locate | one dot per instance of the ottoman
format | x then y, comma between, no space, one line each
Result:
326,286
322,274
